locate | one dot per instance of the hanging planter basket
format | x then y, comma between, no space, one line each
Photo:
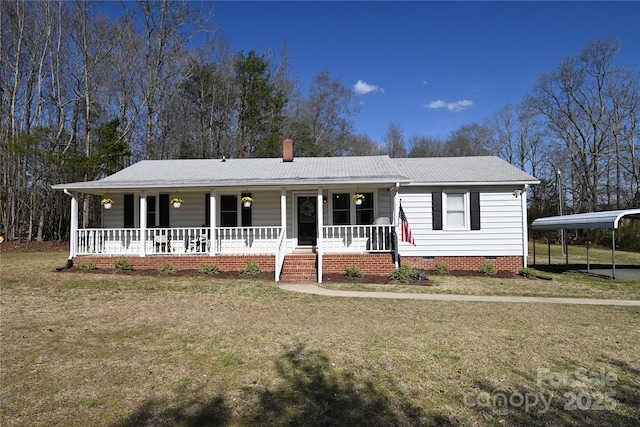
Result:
176,202
107,202
246,202
358,199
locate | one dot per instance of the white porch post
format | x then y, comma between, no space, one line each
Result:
143,223
73,238
283,211
396,214
212,222
320,213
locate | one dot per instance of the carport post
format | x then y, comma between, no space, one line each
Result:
533,236
588,262
613,253
566,248
549,246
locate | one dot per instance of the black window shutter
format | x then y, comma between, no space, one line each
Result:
207,210
164,210
436,203
246,212
129,217
475,210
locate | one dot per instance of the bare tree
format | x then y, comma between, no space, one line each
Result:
361,145
394,141
576,104
424,146
327,114
469,140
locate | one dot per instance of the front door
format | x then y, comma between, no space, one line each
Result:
307,221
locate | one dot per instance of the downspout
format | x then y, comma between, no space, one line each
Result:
73,239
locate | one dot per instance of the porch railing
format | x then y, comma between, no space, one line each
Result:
247,240
280,253
111,241
358,238
228,240
177,241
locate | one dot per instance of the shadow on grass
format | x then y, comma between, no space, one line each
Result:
571,398
189,414
310,393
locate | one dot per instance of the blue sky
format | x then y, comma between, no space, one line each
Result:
428,66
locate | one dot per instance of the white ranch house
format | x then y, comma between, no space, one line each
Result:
303,219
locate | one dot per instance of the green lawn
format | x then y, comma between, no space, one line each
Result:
126,350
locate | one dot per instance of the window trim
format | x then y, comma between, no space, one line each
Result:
352,206
220,211
472,210
243,215
465,211
332,208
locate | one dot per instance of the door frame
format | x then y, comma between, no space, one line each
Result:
296,196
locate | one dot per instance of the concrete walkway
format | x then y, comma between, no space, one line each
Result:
317,290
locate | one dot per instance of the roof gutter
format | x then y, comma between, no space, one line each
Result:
469,183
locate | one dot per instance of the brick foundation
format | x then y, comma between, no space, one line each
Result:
465,263
378,264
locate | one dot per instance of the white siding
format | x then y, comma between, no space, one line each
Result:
500,232
114,217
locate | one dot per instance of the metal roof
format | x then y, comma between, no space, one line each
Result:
254,172
462,170
604,219
382,170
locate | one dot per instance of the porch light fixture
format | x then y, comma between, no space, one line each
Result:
176,202
107,202
246,201
358,198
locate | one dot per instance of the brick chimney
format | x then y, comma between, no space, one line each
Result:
287,150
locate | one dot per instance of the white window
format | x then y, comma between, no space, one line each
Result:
456,208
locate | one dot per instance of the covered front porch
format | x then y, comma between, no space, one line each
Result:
307,225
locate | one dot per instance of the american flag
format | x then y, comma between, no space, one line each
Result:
407,236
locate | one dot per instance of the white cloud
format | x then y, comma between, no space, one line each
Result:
451,106
362,88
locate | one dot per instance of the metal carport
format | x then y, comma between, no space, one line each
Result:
588,221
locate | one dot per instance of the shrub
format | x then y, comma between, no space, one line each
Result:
167,268
209,268
527,272
441,268
122,263
86,265
353,271
404,273
487,269
252,269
